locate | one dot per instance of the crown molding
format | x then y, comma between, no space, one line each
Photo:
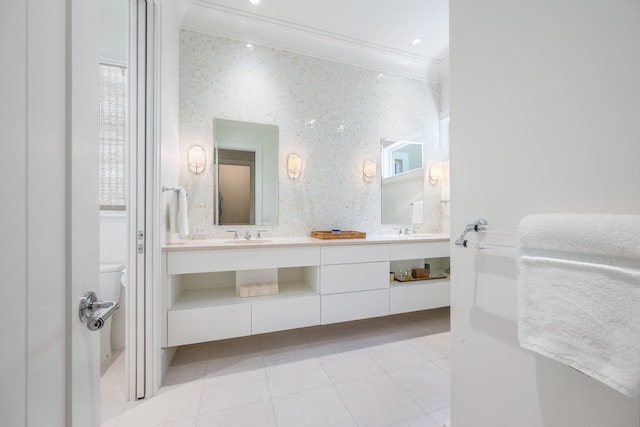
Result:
231,23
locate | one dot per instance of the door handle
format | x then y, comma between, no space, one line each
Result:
95,313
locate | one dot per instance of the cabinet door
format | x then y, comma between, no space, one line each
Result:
354,277
354,305
205,261
431,294
415,250
282,314
191,326
354,253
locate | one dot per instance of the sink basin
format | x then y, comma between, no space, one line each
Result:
247,242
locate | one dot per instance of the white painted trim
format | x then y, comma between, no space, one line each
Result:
105,214
153,258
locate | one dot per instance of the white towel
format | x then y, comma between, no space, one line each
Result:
417,212
579,294
178,218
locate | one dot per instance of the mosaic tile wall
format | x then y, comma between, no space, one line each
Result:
333,115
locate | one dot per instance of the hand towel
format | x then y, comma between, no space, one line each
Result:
178,217
579,294
183,221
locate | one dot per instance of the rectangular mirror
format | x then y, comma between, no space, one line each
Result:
245,173
402,193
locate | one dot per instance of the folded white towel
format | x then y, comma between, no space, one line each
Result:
579,294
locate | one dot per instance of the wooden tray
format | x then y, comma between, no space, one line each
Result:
343,234
431,277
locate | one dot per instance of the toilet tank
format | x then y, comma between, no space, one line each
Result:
110,281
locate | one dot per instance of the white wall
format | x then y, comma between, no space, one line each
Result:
333,115
544,118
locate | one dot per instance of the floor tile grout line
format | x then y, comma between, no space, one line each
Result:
374,333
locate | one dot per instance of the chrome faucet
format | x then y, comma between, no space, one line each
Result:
259,236
247,235
235,234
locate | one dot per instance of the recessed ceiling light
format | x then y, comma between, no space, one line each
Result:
254,2
416,42
250,46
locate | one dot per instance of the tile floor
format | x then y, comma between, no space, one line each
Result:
391,371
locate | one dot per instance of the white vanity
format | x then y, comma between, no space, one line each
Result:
320,282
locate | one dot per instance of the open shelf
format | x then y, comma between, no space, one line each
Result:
215,297
437,277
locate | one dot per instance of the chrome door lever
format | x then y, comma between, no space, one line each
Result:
95,313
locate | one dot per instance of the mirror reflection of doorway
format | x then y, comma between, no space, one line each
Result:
236,196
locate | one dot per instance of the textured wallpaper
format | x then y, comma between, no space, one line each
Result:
331,114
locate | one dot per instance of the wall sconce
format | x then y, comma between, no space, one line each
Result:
435,174
368,171
197,159
294,166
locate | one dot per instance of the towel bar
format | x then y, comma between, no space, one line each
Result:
481,226
165,188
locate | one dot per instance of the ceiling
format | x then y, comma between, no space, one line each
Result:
375,34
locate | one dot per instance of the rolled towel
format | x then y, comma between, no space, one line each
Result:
420,273
183,221
178,218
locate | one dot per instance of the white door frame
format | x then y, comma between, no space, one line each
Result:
144,217
135,334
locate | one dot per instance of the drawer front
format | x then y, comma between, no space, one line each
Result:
416,250
184,262
354,306
208,324
354,253
354,277
433,294
290,313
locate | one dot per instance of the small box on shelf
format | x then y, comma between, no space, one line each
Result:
260,289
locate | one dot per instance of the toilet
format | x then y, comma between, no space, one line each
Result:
110,283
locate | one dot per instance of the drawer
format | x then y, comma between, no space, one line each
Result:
184,262
354,306
195,325
416,250
353,277
354,253
281,314
432,294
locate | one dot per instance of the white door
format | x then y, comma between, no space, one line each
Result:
49,249
538,125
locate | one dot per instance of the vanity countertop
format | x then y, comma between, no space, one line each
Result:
270,242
